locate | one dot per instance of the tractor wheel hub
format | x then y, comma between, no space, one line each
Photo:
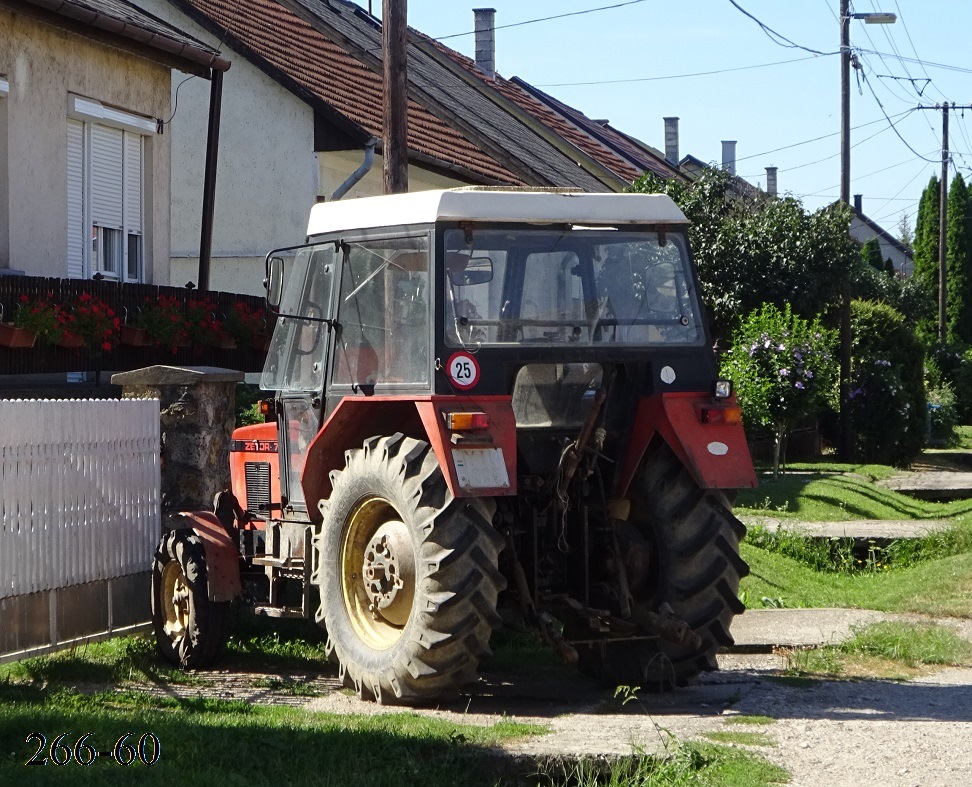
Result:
389,573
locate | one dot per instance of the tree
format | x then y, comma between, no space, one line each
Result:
958,257
753,250
887,395
926,233
905,235
871,254
782,368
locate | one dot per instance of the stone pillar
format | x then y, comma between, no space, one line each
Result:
197,410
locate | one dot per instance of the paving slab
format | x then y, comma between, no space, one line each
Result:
760,630
858,529
931,484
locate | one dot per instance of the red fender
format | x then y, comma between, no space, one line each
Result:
357,418
222,555
715,453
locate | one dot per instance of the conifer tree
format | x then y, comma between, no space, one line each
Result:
871,254
958,257
926,234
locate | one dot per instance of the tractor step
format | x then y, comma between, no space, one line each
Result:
279,612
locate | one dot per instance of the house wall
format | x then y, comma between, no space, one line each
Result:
903,264
43,64
337,166
267,174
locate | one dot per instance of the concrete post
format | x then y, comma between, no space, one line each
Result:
197,411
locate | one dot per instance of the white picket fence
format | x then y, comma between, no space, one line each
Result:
79,493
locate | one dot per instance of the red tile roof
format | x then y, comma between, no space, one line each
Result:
330,73
620,157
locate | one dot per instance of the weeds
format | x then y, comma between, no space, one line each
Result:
885,650
682,764
845,556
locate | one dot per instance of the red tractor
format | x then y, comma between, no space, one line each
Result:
482,398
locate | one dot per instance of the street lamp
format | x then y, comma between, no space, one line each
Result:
876,18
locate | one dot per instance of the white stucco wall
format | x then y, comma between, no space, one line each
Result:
337,166
43,64
266,178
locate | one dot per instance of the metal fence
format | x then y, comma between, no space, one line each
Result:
79,519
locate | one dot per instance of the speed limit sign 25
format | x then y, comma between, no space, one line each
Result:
463,370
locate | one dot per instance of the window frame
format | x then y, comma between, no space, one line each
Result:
87,255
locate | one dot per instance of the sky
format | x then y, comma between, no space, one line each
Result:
631,64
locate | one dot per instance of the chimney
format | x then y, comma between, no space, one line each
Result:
671,141
729,156
486,40
858,201
771,181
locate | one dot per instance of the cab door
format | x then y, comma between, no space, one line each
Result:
299,357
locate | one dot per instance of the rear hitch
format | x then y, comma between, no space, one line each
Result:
667,626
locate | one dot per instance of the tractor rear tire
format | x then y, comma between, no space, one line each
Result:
407,575
190,629
695,569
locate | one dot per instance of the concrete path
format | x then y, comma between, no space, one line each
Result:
857,529
931,484
760,630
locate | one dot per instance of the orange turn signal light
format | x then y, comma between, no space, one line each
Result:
266,407
464,422
721,415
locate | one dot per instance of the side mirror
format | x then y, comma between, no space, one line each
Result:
468,271
274,282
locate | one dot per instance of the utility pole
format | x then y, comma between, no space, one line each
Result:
846,447
395,96
943,231
943,222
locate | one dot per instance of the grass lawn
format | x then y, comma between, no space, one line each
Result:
835,497
934,587
207,742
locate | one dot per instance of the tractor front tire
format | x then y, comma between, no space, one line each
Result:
190,629
694,569
407,575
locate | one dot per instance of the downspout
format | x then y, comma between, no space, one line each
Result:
209,182
360,172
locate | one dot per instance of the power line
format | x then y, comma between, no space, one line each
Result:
680,76
777,38
545,19
823,136
917,175
928,63
835,155
898,133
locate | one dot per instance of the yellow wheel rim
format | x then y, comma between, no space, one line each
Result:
377,572
175,601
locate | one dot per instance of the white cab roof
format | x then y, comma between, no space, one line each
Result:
479,204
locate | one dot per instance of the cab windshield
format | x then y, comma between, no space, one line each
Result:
569,286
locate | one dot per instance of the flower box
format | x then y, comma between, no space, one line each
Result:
70,340
13,337
135,337
221,340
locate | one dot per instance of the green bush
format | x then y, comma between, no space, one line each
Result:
782,369
887,391
942,415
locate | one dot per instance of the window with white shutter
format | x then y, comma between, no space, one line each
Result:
106,190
